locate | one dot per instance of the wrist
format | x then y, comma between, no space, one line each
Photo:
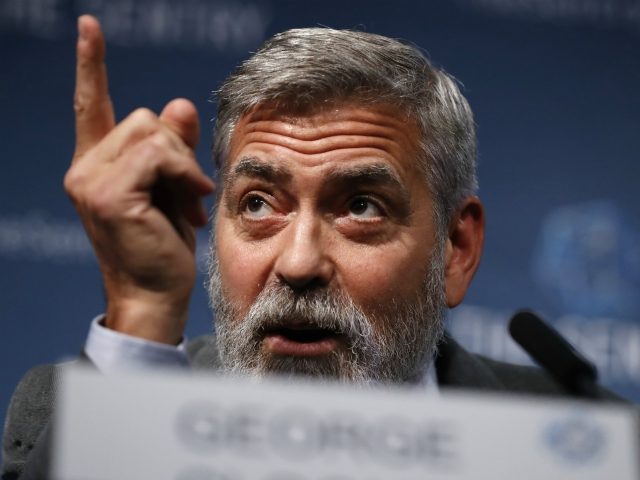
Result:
148,317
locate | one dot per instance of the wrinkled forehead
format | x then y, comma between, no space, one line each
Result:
315,119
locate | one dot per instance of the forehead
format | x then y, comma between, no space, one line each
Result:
338,134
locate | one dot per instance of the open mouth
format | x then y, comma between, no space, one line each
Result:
304,341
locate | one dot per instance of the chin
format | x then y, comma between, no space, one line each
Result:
335,366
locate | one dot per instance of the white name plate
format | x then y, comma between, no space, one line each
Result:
183,427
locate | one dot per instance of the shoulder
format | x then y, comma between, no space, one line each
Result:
28,414
522,378
34,398
459,368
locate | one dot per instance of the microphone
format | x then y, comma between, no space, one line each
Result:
554,354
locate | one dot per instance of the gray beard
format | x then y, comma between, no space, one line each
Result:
395,346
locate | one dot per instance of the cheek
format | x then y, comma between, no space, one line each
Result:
244,269
376,277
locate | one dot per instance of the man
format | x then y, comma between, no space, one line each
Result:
345,220
345,223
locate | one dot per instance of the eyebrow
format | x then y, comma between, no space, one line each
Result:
374,175
253,167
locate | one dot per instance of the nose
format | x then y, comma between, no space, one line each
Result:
303,261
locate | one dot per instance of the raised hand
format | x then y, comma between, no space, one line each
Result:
138,189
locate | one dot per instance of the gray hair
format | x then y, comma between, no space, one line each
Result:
303,69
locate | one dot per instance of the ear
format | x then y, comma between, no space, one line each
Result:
463,249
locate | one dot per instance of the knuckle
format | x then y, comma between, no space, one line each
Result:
144,158
186,165
143,115
79,103
101,203
180,168
148,151
73,180
93,199
162,139
85,102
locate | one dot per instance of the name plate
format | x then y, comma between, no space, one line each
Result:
185,427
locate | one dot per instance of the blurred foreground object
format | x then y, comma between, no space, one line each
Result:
176,427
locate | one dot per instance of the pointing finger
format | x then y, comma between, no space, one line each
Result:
94,111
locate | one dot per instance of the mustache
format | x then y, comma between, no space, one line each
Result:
279,306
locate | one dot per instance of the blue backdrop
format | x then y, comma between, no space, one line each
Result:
554,86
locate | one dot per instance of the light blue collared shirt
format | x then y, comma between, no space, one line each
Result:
113,351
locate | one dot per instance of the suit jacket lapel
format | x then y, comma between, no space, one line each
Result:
455,367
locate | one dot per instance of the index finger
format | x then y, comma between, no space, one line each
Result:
92,105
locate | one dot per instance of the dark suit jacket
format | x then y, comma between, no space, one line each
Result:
26,433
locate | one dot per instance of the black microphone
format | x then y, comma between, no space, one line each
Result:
555,354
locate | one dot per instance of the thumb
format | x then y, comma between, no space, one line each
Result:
182,117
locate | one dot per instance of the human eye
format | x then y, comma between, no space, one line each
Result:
364,208
255,207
